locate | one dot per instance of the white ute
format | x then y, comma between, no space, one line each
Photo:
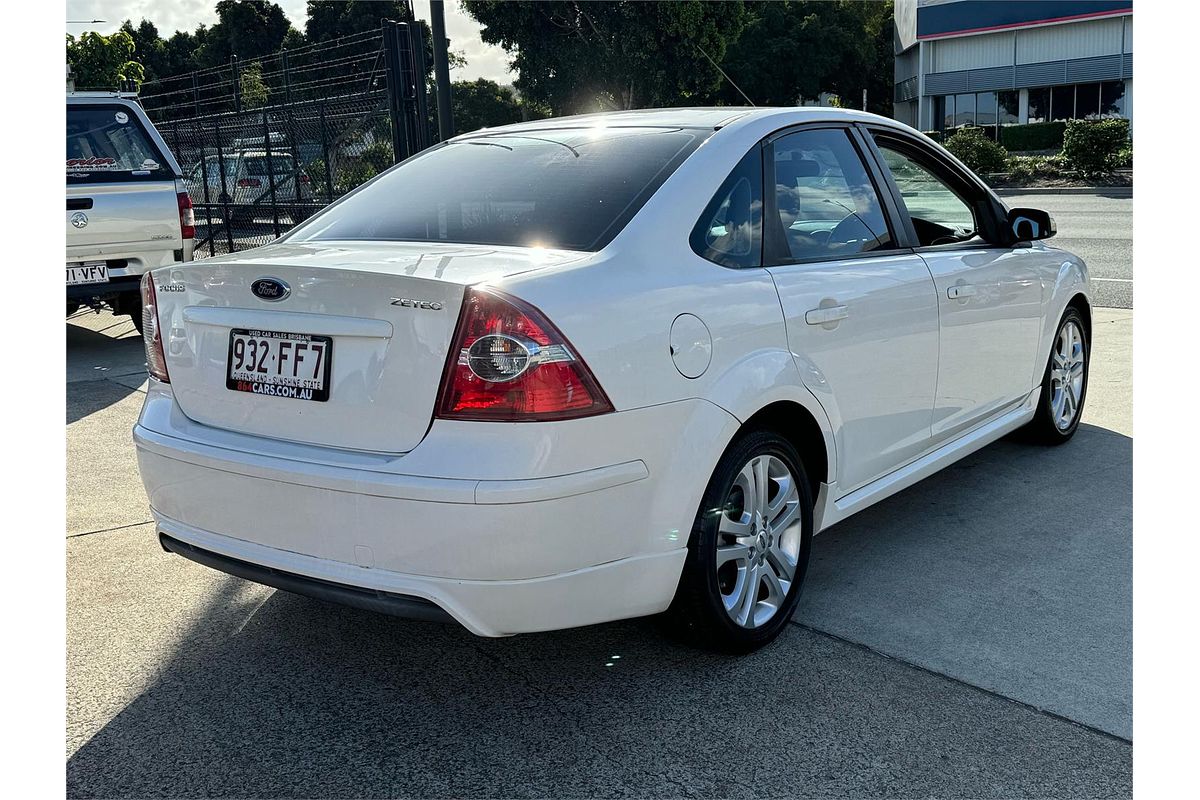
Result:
128,210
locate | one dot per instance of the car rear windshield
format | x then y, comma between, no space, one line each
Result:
572,189
108,143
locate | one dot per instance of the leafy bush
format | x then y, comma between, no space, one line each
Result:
1023,168
1092,147
1034,136
972,147
1125,156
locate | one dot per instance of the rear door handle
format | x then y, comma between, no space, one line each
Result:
961,292
79,203
824,316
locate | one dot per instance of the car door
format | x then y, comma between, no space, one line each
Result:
989,297
860,310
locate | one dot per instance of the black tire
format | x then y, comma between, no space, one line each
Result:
1044,428
698,613
133,307
72,307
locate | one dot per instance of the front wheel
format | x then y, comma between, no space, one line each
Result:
1064,384
749,547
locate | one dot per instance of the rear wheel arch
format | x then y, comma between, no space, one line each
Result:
797,424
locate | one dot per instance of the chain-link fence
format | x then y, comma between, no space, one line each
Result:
264,144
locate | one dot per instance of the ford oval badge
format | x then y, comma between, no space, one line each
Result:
270,289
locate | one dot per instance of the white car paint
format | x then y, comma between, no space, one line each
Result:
516,527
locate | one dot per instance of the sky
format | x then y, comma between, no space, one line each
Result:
483,60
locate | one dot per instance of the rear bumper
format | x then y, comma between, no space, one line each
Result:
121,285
627,588
567,547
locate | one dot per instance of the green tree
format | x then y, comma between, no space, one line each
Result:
576,56
483,104
328,19
254,90
246,28
103,62
150,48
790,51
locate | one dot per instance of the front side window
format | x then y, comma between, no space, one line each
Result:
108,143
825,202
729,231
938,214
573,189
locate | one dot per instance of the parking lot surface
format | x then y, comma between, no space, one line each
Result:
967,637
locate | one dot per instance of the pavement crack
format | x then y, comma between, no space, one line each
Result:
109,530
927,670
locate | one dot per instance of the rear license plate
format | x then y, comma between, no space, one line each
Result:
87,272
279,364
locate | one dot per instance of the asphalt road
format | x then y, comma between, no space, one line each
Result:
1099,229
969,637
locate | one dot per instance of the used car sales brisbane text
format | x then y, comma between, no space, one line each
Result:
599,367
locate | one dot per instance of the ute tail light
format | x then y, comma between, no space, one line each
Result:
508,363
187,216
249,183
303,178
156,359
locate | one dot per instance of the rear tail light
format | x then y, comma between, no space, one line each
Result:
187,216
303,178
508,363
156,360
249,183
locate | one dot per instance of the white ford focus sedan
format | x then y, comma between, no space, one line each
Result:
600,367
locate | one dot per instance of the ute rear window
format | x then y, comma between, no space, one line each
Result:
572,189
108,143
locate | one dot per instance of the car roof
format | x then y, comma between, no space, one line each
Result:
710,117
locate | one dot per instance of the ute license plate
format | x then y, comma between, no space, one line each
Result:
279,364
87,272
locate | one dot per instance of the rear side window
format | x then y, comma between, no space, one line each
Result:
108,143
729,232
826,204
257,165
571,189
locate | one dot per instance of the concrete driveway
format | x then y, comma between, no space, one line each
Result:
969,637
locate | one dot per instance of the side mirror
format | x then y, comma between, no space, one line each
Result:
1030,224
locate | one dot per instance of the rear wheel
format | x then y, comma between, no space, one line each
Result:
1064,384
749,548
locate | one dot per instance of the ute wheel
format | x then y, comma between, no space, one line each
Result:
133,307
1064,385
72,307
748,550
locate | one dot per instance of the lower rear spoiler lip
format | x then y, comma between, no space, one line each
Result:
396,605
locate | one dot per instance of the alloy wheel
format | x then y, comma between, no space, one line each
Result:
1066,376
758,541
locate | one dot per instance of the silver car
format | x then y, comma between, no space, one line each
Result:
128,210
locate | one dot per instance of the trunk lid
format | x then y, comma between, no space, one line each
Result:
389,309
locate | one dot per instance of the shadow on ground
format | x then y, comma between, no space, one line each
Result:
270,694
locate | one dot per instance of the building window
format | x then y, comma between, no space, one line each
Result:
1087,101
1062,103
985,108
1009,103
1112,99
1039,105
964,110
943,113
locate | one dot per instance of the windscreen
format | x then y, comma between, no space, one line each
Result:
570,189
108,143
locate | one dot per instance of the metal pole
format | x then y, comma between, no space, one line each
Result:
270,172
416,45
395,89
224,188
237,83
325,156
441,68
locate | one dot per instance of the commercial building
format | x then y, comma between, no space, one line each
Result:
992,62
